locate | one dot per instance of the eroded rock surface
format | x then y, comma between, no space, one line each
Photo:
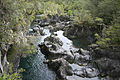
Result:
107,63
65,59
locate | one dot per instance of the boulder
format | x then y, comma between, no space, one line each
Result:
43,24
36,29
108,67
51,50
61,67
53,39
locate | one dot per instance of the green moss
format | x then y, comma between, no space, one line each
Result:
12,52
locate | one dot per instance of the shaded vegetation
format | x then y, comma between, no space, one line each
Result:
16,16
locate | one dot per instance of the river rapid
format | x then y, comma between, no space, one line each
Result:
38,65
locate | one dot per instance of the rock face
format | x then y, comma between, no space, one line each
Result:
62,57
107,62
72,63
3,57
82,32
54,22
61,67
66,61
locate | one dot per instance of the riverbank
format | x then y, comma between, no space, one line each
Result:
61,55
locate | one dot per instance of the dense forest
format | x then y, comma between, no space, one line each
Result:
16,17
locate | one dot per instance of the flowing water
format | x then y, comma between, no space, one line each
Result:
37,70
34,67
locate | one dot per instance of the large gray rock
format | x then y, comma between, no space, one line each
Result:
53,39
36,29
83,71
61,67
108,67
61,60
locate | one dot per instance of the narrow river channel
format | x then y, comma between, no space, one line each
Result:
34,67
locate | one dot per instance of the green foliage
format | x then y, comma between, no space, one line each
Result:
10,75
100,13
108,10
83,16
5,76
110,37
77,8
14,19
16,16
70,13
99,20
52,8
30,49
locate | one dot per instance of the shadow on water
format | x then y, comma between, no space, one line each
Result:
35,69
80,43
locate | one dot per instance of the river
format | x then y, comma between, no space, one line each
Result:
34,67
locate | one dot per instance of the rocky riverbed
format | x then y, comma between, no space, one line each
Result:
68,61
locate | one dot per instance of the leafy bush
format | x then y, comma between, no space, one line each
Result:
70,13
5,76
10,75
110,37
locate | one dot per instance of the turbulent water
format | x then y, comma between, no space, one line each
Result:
37,70
34,67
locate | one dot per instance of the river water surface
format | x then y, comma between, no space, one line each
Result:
34,67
